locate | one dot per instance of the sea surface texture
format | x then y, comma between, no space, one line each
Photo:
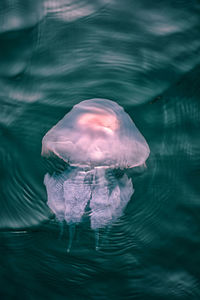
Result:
145,56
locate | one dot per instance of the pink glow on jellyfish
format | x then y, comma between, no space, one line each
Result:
95,138
101,121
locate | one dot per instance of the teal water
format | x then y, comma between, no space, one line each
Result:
145,56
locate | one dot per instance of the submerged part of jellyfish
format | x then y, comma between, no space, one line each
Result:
96,138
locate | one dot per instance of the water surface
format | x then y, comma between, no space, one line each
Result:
145,56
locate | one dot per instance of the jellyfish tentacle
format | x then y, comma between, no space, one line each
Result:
97,239
61,224
72,230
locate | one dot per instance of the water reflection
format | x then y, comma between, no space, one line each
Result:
69,10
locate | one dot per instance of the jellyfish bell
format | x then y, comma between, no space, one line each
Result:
97,126
95,138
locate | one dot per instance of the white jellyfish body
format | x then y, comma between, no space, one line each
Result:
95,138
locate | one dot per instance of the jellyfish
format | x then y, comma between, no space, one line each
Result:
99,142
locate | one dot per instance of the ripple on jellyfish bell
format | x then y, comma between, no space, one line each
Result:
95,138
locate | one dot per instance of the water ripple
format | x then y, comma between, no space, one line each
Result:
18,15
68,10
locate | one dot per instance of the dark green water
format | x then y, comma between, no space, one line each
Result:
145,55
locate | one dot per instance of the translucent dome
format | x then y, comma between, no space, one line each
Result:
97,132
